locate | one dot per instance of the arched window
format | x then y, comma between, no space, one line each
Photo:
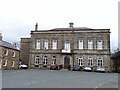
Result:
38,44
67,46
90,61
53,60
45,60
99,44
37,60
80,44
100,61
80,61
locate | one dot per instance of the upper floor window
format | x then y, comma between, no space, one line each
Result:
37,60
99,44
80,61
37,44
5,52
46,44
90,44
80,44
67,45
100,61
90,61
53,60
13,53
54,44
45,60
5,62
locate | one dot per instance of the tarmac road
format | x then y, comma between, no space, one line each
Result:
57,79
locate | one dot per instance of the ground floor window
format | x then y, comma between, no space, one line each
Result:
37,60
100,61
53,60
90,61
13,63
80,61
5,62
45,60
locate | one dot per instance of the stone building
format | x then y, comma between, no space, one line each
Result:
115,58
9,55
67,46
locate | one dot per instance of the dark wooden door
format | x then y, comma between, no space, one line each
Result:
66,62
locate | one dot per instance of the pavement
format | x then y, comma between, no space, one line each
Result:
36,78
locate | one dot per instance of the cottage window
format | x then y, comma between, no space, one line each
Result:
13,53
13,63
5,52
5,62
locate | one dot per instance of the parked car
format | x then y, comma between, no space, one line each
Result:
54,67
87,68
23,66
60,66
76,68
100,69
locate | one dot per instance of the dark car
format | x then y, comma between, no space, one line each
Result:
76,68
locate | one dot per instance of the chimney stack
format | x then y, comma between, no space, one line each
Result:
71,25
36,27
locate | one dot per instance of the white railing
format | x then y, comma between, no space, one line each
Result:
66,51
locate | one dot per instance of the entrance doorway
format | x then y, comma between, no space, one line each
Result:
66,62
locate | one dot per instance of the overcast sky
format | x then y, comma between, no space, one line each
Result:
18,17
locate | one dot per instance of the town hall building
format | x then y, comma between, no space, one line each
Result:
67,46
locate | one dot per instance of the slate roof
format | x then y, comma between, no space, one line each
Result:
7,45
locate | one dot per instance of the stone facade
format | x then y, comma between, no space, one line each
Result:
68,46
9,56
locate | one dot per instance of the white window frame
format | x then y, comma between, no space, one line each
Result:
13,54
6,53
90,61
38,44
100,61
90,44
80,44
54,44
13,64
37,60
46,44
80,61
45,60
54,60
5,62
67,46
99,44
